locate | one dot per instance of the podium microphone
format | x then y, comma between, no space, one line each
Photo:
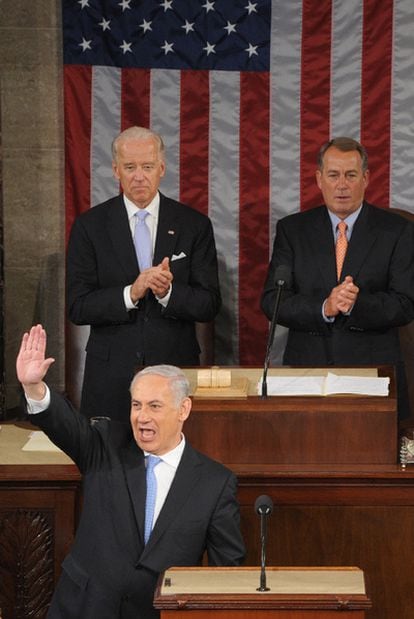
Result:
264,507
282,277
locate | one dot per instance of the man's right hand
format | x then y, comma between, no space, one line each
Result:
31,364
342,298
157,278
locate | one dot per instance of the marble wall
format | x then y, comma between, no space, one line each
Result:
33,180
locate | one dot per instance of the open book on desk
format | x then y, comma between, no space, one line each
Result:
331,384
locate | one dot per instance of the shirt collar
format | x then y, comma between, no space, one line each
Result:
152,208
350,220
172,457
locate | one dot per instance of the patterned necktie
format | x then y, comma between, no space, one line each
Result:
142,241
341,247
152,462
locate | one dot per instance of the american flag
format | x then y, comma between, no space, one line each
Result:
243,92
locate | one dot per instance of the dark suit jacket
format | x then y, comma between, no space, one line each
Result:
101,261
109,572
380,258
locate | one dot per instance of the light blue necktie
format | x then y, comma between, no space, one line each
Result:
142,241
152,462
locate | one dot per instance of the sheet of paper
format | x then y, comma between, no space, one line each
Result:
332,384
38,441
293,385
357,385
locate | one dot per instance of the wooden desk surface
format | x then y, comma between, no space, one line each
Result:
14,437
21,466
283,580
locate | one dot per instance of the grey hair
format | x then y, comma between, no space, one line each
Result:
344,144
179,383
138,133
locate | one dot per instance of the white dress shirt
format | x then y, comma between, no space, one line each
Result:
151,221
165,473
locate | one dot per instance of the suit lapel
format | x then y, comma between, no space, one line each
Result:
120,235
364,235
323,247
186,477
134,470
167,231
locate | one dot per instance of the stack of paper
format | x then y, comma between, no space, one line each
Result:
332,384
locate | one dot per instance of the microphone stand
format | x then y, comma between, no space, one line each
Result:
280,284
263,553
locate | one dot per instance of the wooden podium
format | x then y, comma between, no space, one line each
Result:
231,593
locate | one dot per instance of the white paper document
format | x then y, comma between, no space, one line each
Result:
332,384
38,441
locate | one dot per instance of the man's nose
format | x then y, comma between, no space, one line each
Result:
139,173
143,414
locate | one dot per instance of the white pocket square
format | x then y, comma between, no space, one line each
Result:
178,256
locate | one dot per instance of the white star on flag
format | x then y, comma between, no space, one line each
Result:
126,47
230,27
167,47
85,44
146,25
188,27
209,6
166,5
251,50
124,4
251,7
104,24
210,48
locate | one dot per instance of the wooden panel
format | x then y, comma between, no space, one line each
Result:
39,498
343,519
37,528
297,430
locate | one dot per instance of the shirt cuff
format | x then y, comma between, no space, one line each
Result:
129,304
324,316
38,406
166,298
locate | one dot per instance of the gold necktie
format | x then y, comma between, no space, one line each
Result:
341,247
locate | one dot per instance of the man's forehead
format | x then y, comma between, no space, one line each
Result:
152,382
147,144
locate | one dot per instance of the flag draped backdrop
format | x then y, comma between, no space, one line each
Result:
244,92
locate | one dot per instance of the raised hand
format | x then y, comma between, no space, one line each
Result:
31,364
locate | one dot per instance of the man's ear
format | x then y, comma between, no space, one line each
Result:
318,176
115,170
185,409
163,168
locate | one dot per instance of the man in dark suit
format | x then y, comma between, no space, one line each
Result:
111,570
350,318
141,311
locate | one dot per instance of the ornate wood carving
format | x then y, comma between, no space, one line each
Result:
26,563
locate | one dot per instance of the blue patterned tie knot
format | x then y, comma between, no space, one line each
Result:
142,240
152,462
